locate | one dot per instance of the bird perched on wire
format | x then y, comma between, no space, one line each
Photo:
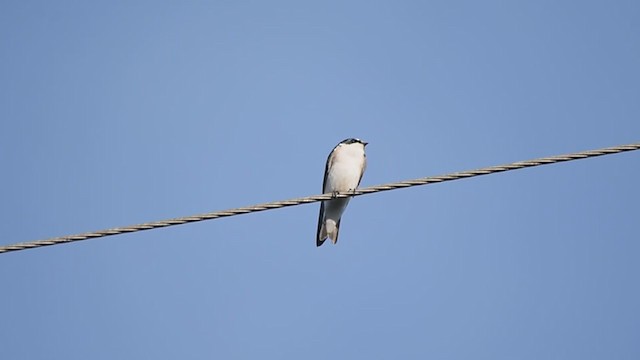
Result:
344,169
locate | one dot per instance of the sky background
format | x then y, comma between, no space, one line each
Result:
121,112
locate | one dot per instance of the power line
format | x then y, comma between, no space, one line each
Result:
316,198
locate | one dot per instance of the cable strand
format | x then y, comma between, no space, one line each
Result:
321,197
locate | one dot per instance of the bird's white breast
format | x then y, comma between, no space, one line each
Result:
346,168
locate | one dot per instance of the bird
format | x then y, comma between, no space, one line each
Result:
344,169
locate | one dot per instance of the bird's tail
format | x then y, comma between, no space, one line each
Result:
328,229
331,228
322,234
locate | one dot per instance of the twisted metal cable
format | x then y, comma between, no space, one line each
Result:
316,198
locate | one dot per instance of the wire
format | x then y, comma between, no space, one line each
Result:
316,198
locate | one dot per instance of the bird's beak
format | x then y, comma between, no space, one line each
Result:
364,143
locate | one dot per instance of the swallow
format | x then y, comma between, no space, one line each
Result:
344,169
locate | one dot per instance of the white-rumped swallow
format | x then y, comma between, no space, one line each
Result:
345,166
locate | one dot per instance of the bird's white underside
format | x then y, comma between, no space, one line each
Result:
346,168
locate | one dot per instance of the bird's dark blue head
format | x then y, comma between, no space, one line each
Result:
353,141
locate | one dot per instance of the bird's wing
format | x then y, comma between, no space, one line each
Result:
320,221
324,189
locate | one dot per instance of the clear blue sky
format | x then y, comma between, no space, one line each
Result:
116,113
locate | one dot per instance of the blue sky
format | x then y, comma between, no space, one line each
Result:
116,113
